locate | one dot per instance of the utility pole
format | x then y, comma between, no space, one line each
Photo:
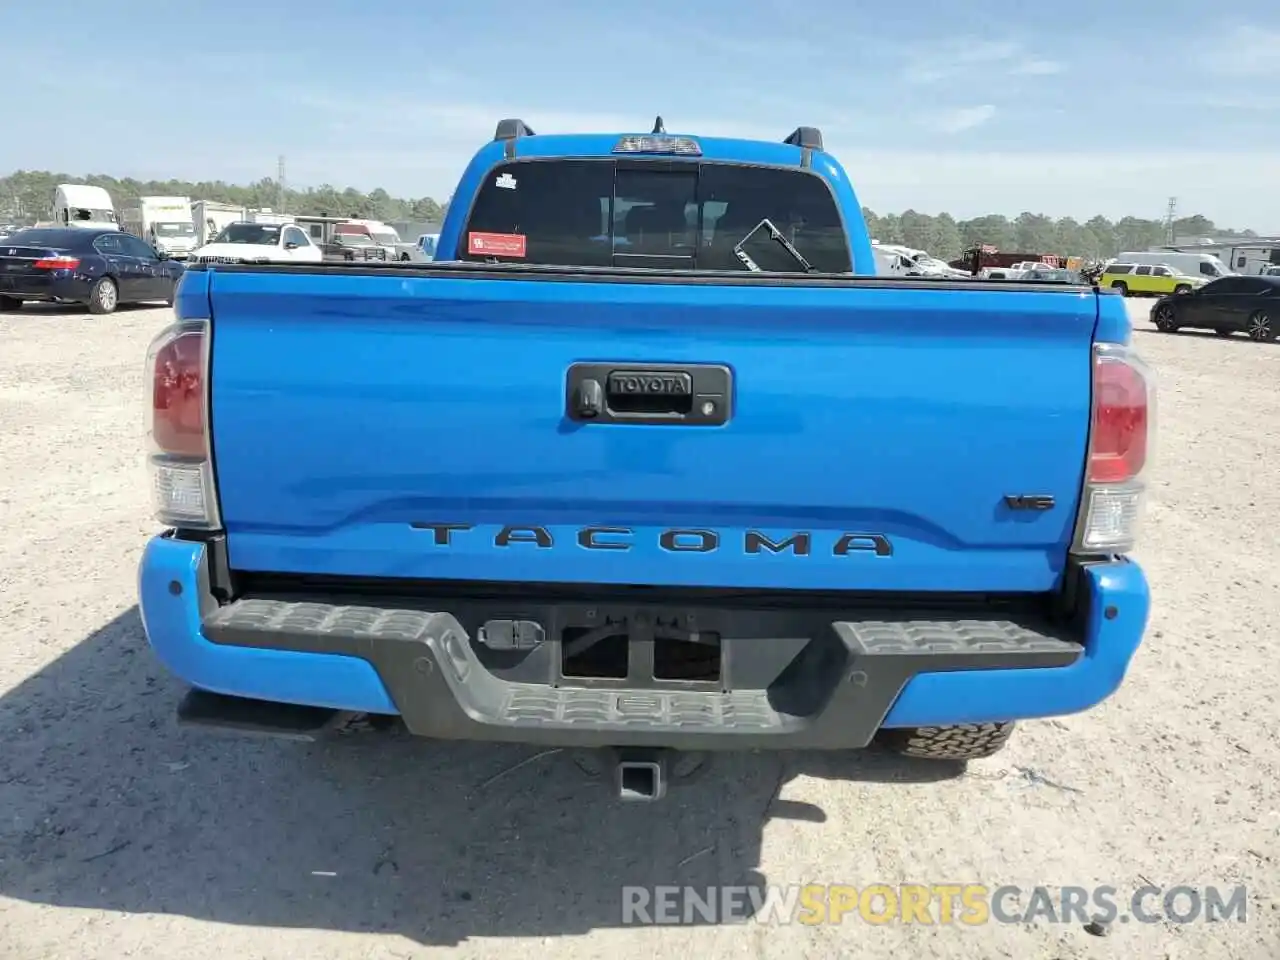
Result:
1170,215
280,184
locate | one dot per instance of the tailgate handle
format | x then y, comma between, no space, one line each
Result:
690,394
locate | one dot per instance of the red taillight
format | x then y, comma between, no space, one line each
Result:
178,395
182,485
57,263
1121,420
1121,436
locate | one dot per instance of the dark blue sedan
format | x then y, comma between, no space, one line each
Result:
99,268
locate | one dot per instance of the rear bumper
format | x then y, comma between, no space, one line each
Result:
47,287
852,678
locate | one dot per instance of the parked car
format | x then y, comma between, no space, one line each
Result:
1050,275
356,246
253,242
1248,305
99,267
402,524
1132,278
379,234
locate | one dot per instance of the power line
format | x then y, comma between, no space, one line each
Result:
1170,216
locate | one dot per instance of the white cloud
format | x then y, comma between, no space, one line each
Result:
963,56
1037,67
923,74
969,50
1244,100
1244,51
447,123
965,118
420,146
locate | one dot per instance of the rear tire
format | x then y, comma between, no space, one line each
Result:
1181,289
1261,327
404,258
10,304
1121,286
965,741
104,297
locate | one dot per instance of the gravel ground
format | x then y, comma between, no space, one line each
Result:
121,835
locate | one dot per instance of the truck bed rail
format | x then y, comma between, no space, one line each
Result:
648,275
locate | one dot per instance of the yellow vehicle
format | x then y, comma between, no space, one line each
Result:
1133,279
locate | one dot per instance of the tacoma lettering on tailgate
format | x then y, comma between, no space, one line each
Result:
675,540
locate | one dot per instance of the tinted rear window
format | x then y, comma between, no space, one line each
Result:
1227,285
36,237
667,214
258,233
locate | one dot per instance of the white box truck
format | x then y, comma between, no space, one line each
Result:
165,223
211,217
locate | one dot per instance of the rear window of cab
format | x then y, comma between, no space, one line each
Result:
672,214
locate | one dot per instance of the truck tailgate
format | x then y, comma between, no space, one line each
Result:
405,425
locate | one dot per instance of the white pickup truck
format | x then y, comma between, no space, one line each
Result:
897,260
1015,272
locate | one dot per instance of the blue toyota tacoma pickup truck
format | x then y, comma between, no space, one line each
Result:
648,460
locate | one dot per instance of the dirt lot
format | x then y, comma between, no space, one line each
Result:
121,835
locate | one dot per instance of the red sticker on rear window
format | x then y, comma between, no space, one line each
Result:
496,244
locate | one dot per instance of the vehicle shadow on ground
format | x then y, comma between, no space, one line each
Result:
107,804
35,309
1236,339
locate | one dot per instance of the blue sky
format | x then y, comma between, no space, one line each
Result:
931,104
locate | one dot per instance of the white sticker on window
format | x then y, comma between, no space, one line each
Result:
506,181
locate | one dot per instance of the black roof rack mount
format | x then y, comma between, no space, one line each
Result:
810,138
510,129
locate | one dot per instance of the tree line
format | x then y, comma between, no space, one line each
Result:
945,237
28,194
